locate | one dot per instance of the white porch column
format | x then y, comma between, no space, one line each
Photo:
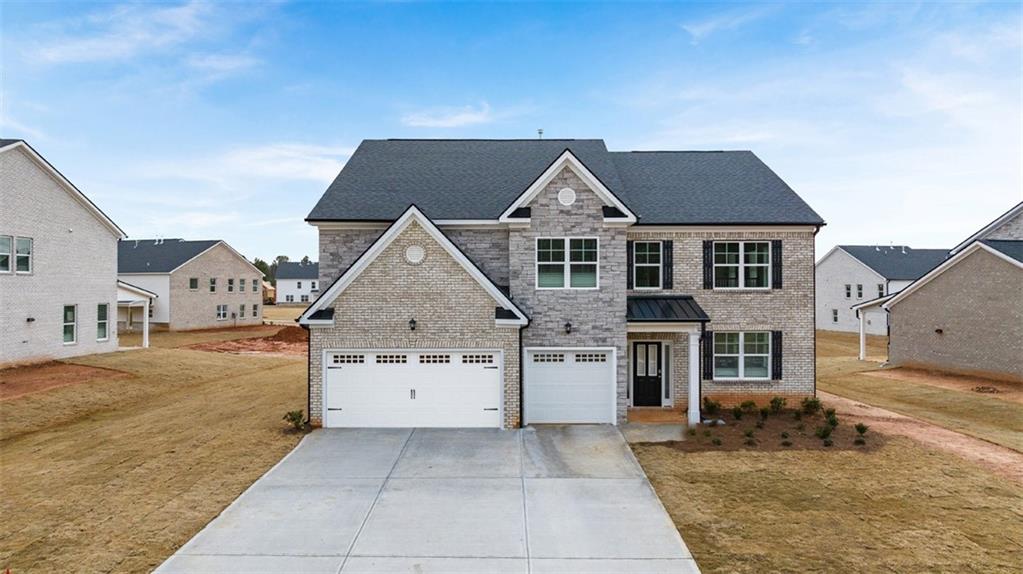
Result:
863,334
693,411
145,324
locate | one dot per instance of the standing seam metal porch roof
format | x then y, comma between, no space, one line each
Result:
664,308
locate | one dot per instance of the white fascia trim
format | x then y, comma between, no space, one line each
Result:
67,185
319,323
333,225
370,255
567,159
976,246
666,327
1013,212
851,256
136,289
211,247
639,229
877,302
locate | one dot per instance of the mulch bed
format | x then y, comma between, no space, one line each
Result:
798,429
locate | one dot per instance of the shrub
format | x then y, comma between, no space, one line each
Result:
748,406
751,442
296,419
859,441
777,404
827,442
710,407
786,443
861,428
800,427
811,405
706,432
764,413
716,441
833,420
760,424
797,415
828,413
824,432
749,433
691,432
784,435
737,413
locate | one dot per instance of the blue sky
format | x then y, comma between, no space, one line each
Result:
897,122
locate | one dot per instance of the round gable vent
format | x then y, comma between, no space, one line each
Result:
415,254
566,196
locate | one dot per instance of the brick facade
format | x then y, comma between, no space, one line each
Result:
198,309
452,311
978,306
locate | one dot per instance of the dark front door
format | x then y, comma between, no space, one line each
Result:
646,374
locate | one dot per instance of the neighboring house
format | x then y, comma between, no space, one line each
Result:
507,282
966,315
58,263
269,293
297,282
133,309
851,274
198,284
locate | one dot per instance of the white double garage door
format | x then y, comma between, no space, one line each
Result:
463,388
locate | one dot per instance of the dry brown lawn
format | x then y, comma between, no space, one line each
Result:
114,474
282,312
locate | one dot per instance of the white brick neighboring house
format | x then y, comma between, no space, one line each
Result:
851,274
297,282
508,282
58,263
199,284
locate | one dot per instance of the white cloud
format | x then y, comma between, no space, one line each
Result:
221,64
449,117
193,220
703,29
11,127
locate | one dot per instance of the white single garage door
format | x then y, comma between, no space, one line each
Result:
399,388
564,386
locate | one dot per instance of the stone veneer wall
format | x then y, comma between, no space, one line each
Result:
598,315
978,305
450,308
1012,229
198,309
789,309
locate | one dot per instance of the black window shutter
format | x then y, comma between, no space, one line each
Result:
776,264
708,264
708,355
667,264
628,265
776,361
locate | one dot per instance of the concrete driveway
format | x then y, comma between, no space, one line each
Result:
545,499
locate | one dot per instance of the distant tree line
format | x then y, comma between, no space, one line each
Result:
270,269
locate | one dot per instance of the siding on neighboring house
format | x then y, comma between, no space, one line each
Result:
836,271
198,309
452,311
158,283
74,262
286,287
978,306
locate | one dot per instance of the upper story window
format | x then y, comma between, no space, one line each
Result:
312,285
255,285
646,264
213,284
834,315
299,285
193,283
241,285
230,285
880,289
22,254
848,291
859,291
742,264
567,263
742,355
6,244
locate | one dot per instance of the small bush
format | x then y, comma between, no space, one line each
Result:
861,428
748,406
811,405
784,435
749,433
751,442
737,413
800,427
716,441
710,407
860,441
829,413
833,420
777,404
827,442
296,419
797,415
760,424
786,443
706,432
764,413
691,432
824,432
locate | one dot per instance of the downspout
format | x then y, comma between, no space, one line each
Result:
814,327
522,366
699,384
308,374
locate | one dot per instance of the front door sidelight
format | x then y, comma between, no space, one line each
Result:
646,374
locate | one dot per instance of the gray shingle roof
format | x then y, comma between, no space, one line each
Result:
479,179
6,142
295,270
661,308
1011,247
897,262
157,255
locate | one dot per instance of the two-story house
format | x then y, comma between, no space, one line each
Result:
508,282
201,284
58,263
297,282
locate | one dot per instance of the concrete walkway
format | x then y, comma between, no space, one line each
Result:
546,499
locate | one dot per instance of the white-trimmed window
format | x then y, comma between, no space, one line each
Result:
305,298
312,285
102,322
221,312
255,311
745,355
289,298
255,284
70,324
576,269
6,248
241,311
213,284
848,291
646,264
230,285
241,285
859,290
23,254
880,289
742,264
193,283
834,315
298,285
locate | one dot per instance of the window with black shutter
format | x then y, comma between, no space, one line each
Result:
708,264
776,264
667,258
708,355
776,360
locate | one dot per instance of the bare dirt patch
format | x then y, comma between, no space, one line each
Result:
20,381
286,341
1003,390
998,459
